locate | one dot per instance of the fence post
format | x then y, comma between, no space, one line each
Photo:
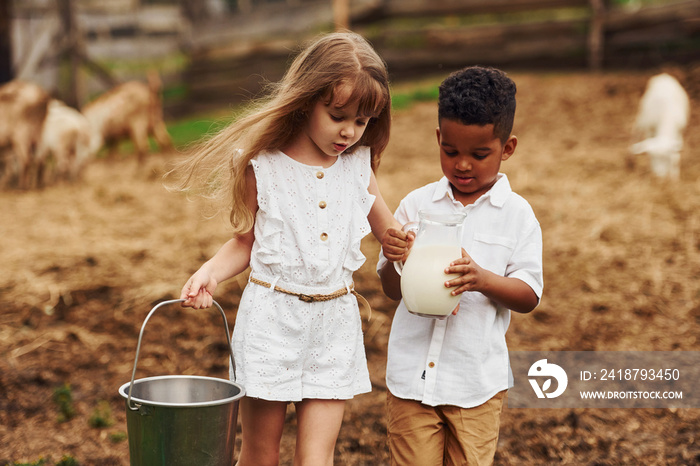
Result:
341,14
5,41
596,35
75,93
245,6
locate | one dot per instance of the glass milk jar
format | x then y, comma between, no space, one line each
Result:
438,242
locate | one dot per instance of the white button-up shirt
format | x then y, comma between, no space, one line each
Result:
463,359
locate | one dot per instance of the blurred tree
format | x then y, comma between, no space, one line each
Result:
5,41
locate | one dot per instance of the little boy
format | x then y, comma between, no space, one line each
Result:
447,379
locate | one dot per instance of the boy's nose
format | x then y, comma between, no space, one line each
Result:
464,165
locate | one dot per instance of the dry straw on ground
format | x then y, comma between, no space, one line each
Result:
84,263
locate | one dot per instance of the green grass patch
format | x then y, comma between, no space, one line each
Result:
402,100
101,416
63,398
117,437
174,93
66,460
39,462
188,131
172,63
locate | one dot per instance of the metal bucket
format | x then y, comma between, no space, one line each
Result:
181,420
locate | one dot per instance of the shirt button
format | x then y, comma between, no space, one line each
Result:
324,236
322,204
431,365
319,175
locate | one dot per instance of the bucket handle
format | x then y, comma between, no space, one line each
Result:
135,407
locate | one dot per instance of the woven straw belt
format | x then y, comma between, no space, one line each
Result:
312,298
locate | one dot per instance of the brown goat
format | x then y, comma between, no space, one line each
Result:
131,110
23,109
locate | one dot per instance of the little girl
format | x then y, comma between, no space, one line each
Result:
299,174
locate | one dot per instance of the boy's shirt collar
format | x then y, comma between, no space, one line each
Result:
497,195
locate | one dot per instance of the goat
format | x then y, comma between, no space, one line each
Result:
23,109
662,118
66,139
132,109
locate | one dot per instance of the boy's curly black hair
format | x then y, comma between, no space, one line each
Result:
479,95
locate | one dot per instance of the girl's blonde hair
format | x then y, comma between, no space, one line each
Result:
217,170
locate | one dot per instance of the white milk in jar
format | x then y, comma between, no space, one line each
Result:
423,279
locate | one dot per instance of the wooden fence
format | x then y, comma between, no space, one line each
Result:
422,37
531,33
84,35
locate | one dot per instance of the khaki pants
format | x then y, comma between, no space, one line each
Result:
421,435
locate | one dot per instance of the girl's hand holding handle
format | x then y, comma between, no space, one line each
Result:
396,243
198,291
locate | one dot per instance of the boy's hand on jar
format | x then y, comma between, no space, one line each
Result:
396,244
471,275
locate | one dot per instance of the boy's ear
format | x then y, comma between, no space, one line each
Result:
437,133
509,148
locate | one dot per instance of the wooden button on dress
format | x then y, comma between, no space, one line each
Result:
322,204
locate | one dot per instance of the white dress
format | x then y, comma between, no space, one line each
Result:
308,229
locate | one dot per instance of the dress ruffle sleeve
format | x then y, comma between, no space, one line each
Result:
361,173
268,235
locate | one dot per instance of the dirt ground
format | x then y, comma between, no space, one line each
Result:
83,263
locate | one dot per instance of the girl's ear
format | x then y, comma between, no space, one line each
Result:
509,148
305,109
302,114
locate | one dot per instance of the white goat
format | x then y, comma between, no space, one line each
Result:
663,116
65,139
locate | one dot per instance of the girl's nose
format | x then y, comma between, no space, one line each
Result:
347,131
